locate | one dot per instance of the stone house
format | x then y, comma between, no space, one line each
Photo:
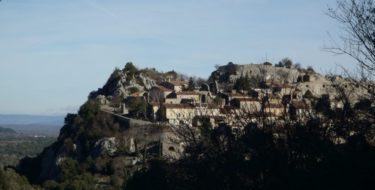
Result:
189,95
207,110
272,99
176,85
299,109
247,104
172,98
295,95
205,97
176,114
229,96
158,94
236,117
280,88
262,92
286,89
275,109
183,97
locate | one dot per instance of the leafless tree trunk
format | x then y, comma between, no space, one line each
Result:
357,17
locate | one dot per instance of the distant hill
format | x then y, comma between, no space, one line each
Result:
7,130
30,119
35,129
33,124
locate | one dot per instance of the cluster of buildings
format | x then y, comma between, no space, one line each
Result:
172,103
175,102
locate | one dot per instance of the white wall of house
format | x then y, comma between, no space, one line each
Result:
195,97
177,115
251,106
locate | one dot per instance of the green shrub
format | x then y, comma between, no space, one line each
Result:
10,180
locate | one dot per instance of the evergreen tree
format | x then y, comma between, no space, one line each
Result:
191,84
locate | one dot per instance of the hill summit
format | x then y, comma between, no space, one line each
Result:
138,116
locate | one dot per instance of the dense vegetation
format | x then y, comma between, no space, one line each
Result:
9,179
14,147
284,155
85,167
333,151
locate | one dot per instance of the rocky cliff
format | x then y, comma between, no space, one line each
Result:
97,143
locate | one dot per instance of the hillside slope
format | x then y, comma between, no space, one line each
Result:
95,147
99,147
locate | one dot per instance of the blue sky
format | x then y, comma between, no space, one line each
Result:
53,53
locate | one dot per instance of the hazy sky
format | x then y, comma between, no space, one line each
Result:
53,53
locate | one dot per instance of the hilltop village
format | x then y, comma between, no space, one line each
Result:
234,94
143,115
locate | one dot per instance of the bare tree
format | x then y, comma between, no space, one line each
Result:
357,17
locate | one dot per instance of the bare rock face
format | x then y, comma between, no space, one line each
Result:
105,146
268,72
147,82
230,73
120,84
136,81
